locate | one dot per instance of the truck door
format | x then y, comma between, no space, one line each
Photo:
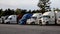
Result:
14,20
10,19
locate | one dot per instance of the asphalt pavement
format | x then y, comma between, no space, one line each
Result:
28,29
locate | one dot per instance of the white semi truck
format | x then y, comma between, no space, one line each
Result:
48,18
34,19
11,19
51,17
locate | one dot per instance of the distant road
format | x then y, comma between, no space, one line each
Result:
28,29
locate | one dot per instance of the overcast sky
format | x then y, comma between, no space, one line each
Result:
25,4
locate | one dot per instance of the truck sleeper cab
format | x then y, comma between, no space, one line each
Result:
34,19
48,18
11,19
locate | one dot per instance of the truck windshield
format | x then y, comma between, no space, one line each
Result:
34,17
6,17
46,16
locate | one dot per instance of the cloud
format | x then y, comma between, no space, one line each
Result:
25,4
18,4
55,3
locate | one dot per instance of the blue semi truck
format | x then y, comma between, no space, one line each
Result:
23,20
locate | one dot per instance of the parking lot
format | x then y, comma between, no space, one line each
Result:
28,29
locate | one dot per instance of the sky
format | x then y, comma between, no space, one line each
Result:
25,4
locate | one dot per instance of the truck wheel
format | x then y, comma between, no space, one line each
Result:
2,23
7,22
47,23
40,23
33,23
17,23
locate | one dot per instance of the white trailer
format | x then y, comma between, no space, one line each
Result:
34,19
11,19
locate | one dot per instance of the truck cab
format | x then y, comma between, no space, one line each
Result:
34,19
11,19
23,20
45,19
48,18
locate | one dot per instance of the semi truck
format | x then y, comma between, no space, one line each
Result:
34,19
2,19
52,17
25,17
12,19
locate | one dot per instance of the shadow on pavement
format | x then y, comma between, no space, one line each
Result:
34,24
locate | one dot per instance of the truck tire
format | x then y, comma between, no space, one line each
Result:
47,23
2,23
7,22
17,23
32,23
40,23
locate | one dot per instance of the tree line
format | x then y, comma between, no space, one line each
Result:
44,6
16,12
